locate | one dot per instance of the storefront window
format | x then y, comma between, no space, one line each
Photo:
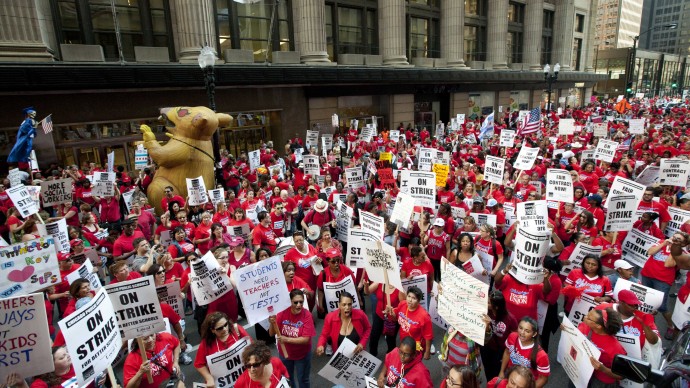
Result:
248,130
480,104
519,100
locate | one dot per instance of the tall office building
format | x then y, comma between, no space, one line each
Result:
285,65
657,13
617,22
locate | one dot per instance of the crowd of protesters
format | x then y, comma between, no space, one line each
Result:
279,200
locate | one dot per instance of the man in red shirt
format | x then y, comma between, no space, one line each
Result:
171,197
123,247
278,219
262,235
635,322
351,139
647,204
493,208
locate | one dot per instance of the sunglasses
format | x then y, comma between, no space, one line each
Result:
334,261
254,365
160,272
298,302
221,327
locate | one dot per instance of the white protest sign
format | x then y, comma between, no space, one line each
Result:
327,140
566,126
226,365
606,150
648,176
481,219
217,196
381,263
533,216
239,231
347,369
371,224
355,254
421,186
196,191
207,281
28,267
622,186
581,250
587,155
25,337
600,129
127,197
402,211
636,126
332,291
136,306
56,192
85,271
475,267
528,257
15,177
678,218
298,154
110,166
574,351
526,158
651,299
170,293
355,177
103,184
674,172
463,302
22,200
622,213
493,169
635,247
58,232
262,288
311,164
92,337
367,133
681,313
507,138
141,159
394,135
425,159
254,159
581,307
559,185
436,318
312,138
343,220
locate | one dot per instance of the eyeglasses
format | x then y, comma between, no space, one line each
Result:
334,261
298,302
161,272
181,218
255,365
452,383
225,326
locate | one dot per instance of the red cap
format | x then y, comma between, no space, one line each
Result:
74,242
63,256
628,297
333,252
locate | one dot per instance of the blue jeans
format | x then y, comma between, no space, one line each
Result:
657,285
301,368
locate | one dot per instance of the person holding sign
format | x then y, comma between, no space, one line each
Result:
333,273
635,322
583,223
385,324
403,367
436,243
601,326
414,320
590,280
648,204
262,370
522,348
162,353
295,329
301,255
647,225
218,333
486,243
521,299
345,322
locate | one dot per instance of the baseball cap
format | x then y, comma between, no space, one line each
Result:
620,263
628,297
333,252
74,242
236,241
492,202
63,256
439,222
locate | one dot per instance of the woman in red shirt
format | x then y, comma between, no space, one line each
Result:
164,348
611,249
565,214
518,377
384,324
522,348
521,299
218,333
437,244
404,363
601,327
588,178
591,280
647,225
222,215
414,320
487,244
295,283
583,223
345,322
262,370
332,273
202,233
302,255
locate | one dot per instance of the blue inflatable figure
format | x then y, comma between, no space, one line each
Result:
21,152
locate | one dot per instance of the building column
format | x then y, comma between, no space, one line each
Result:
564,33
533,26
311,35
20,36
195,28
590,41
392,32
452,31
496,34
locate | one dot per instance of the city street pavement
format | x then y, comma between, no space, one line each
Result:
558,376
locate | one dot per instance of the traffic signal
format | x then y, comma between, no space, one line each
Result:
628,87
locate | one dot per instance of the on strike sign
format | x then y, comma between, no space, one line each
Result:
493,169
421,186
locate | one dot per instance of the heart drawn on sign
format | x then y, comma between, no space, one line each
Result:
20,276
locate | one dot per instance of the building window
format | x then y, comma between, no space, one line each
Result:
247,27
547,37
577,54
516,12
514,47
433,3
579,23
145,23
475,43
476,8
350,31
548,20
351,28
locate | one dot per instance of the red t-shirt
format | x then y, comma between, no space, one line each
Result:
295,326
206,349
654,268
425,268
521,299
264,237
125,243
416,324
302,262
609,347
279,371
163,355
632,325
436,245
598,286
519,355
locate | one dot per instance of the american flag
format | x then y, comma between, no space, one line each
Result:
47,124
530,123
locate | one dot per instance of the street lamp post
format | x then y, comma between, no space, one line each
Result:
630,77
207,60
550,78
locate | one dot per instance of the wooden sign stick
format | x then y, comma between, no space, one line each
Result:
142,351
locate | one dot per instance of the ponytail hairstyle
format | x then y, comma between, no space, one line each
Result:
610,320
535,347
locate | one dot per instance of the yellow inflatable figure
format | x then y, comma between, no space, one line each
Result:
188,153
